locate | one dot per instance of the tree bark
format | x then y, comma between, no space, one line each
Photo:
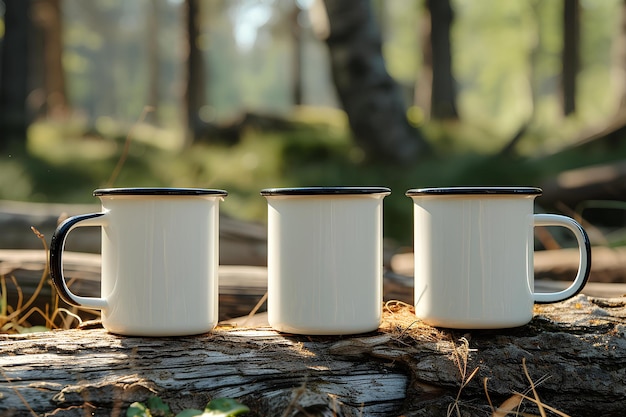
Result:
371,98
574,352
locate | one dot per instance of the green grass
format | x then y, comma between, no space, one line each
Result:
65,162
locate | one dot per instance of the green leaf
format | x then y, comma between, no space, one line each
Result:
224,407
138,409
158,407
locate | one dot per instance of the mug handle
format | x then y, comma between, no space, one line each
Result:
56,259
584,265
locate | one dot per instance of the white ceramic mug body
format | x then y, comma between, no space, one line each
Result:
474,256
160,256
325,259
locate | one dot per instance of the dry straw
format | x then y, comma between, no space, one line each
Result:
15,319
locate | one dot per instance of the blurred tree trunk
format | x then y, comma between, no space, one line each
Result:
14,118
509,148
194,89
154,60
371,98
436,91
424,84
571,52
47,17
106,23
298,53
619,58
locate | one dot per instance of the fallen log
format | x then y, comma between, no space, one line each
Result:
608,266
596,182
573,352
243,286
241,242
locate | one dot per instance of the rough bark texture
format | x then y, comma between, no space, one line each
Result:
575,352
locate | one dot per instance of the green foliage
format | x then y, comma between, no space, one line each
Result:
155,407
225,407
138,409
506,59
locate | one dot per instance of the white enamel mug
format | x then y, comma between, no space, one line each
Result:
474,256
160,258
325,259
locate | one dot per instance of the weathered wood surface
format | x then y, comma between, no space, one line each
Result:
575,352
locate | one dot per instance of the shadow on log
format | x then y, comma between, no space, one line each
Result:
575,352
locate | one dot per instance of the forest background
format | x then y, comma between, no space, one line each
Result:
244,95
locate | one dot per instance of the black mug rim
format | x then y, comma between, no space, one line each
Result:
343,190
158,191
474,190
